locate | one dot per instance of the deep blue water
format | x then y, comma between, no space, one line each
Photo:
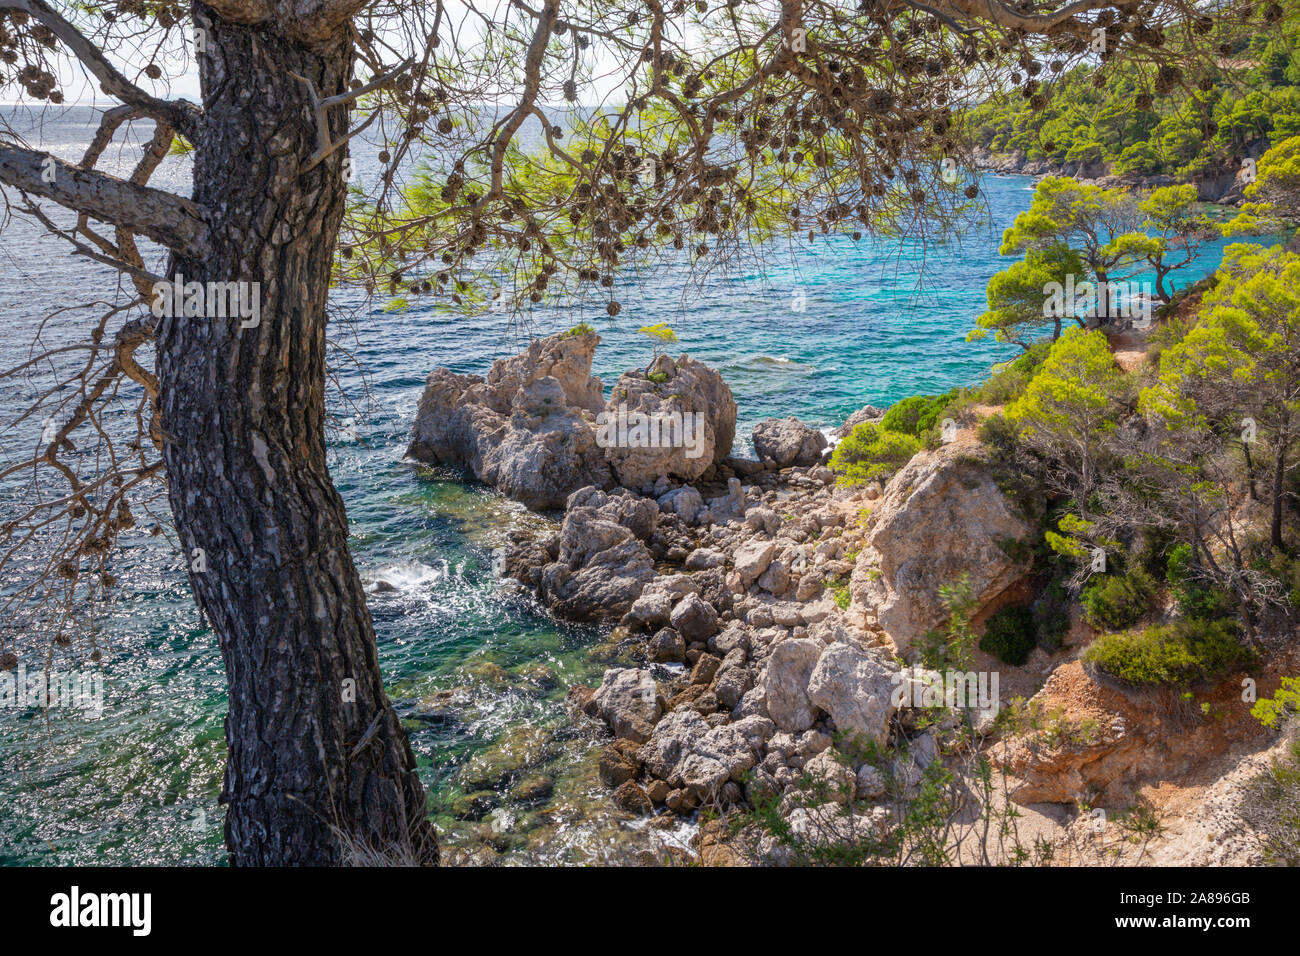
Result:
140,783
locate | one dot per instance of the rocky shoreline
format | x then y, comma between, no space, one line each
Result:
1224,187
760,609
765,620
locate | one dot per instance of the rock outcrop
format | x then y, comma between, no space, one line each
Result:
688,415
601,563
788,441
1219,185
1100,745
538,428
526,429
941,517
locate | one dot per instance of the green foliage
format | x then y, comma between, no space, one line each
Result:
1010,635
1274,195
1069,538
1073,393
1079,240
1066,214
1017,299
1252,95
998,433
1052,616
1115,601
1195,598
1009,379
1173,232
1241,361
659,334
871,452
916,415
582,328
1285,703
952,647
1177,655
1065,416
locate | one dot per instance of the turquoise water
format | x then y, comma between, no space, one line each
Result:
140,784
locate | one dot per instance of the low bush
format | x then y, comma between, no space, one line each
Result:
1010,635
870,452
1052,616
916,415
1117,601
582,328
1008,381
1195,598
1176,655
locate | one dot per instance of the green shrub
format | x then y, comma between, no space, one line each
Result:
998,433
1010,635
916,415
1194,598
1008,381
1052,616
1117,601
870,452
1170,655
582,328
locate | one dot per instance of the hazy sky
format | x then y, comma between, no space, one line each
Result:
181,76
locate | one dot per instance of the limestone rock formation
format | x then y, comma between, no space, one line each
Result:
942,516
688,413
525,429
602,565
788,441
538,427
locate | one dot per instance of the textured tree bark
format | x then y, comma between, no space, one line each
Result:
1279,494
316,763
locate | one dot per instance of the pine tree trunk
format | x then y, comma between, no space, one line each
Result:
318,761
1279,488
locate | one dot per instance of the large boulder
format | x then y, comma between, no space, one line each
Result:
753,558
855,686
788,441
785,682
687,418
694,618
526,429
603,563
628,702
942,516
685,752
655,606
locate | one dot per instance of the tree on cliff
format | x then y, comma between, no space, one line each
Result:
1079,241
1238,370
738,118
1090,220
1019,306
1274,196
